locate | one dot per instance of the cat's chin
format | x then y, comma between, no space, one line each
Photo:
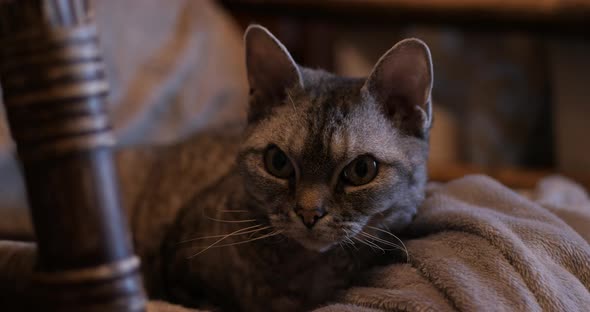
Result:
315,245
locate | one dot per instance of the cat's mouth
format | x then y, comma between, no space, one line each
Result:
320,238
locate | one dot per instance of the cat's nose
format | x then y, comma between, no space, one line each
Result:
310,216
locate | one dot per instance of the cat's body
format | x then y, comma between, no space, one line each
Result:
269,274
285,213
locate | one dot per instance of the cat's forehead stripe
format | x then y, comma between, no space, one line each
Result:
325,125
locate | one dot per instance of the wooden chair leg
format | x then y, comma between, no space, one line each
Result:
54,87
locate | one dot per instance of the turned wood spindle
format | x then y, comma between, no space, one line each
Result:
54,87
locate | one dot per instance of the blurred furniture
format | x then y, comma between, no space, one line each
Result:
303,23
54,87
512,177
562,16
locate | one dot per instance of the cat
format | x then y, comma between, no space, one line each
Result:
293,206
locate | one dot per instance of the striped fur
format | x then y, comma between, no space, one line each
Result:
323,127
239,242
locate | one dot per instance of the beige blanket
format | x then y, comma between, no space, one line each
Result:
479,246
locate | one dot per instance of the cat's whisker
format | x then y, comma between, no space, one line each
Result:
383,250
252,229
394,236
291,100
340,243
252,234
386,242
347,245
347,233
365,242
370,244
231,221
218,241
250,240
350,243
372,241
349,240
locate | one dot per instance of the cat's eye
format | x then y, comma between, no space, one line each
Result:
277,163
360,171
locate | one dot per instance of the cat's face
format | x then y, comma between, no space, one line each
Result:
325,156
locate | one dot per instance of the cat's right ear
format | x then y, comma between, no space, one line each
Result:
401,82
271,71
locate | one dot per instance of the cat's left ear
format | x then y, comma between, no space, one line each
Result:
401,82
271,70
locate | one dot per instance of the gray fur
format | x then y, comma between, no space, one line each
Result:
322,122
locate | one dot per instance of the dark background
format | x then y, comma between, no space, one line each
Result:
510,76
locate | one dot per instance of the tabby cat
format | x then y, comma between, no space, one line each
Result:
313,187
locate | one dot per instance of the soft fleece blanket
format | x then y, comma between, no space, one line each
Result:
479,246
475,245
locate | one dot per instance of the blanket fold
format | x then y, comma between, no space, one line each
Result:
478,246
